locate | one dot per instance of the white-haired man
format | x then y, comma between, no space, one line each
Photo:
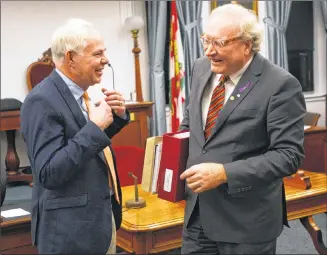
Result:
246,122
76,202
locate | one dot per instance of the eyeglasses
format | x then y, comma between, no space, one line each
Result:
217,43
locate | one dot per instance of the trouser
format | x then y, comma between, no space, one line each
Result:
112,247
195,241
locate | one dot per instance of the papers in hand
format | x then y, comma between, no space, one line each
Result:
14,213
306,127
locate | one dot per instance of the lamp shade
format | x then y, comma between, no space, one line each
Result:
134,23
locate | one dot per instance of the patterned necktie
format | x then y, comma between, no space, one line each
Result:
108,156
216,104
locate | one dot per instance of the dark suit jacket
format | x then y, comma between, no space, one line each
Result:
259,139
71,205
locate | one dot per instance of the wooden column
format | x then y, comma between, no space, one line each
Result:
136,50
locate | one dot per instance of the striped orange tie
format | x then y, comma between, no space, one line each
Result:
216,104
112,178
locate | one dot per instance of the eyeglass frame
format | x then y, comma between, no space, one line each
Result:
223,43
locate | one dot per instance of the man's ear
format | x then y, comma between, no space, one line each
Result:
69,56
248,47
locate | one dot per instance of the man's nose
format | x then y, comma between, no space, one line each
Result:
210,50
105,60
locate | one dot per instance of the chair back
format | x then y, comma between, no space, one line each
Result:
129,159
39,70
311,118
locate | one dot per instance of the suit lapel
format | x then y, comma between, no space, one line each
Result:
203,81
243,87
69,98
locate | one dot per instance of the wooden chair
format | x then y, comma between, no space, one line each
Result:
311,119
40,69
129,159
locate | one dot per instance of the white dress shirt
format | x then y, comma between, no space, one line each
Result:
229,88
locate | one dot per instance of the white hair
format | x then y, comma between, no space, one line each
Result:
245,20
72,36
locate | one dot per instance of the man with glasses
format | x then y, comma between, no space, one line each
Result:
76,201
246,133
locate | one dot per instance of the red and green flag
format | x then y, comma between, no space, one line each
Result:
176,71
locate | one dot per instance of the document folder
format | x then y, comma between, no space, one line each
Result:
174,155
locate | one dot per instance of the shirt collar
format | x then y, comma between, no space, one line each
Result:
237,76
76,90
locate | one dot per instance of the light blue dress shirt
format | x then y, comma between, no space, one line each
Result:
77,92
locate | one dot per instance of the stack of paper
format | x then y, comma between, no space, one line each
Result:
151,161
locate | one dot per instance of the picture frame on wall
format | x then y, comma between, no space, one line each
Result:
249,4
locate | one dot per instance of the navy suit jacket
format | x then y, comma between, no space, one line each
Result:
71,201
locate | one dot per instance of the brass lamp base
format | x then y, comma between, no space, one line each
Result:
131,203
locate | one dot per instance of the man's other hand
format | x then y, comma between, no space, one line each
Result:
205,176
116,101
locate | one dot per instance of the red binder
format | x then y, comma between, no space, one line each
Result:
173,163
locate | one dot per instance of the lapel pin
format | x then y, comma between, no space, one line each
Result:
232,98
249,84
238,95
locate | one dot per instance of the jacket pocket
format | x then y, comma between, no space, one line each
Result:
66,202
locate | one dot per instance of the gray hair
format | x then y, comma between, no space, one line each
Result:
244,19
72,36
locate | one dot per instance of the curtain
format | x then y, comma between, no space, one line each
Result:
156,31
276,21
324,16
190,21
324,12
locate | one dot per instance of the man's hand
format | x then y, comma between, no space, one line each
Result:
101,114
205,176
116,101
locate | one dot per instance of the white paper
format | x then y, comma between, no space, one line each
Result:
157,161
168,180
306,127
14,213
182,135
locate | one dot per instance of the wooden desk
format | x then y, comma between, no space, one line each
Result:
315,146
16,234
158,226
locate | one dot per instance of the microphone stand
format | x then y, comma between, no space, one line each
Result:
137,202
113,76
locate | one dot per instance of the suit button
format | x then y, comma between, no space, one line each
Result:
204,151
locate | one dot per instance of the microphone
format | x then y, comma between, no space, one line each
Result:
113,76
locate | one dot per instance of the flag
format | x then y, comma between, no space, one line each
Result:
176,71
